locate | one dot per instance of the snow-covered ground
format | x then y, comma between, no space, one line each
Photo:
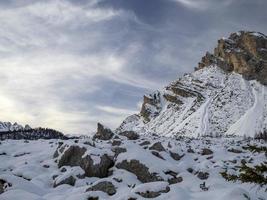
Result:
30,169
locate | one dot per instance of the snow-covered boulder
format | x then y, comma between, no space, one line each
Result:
76,156
104,186
139,169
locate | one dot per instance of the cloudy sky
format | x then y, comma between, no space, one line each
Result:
67,64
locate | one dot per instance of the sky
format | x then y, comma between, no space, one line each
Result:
68,64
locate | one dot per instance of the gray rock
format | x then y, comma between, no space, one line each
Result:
153,194
93,198
100,170
157,146
175,180
144,143
203,175
131,135
206,151
235,150
59,149
73,156
190,150
190,170
155,153
104,186
103,133
3,185
118,150
116,143
176,156
70,181
140,170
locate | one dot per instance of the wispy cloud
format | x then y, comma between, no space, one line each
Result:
116,111
67,64
204,4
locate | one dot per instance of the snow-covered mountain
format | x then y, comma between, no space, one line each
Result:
8,126
226,95
17,131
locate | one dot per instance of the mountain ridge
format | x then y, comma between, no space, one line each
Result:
226,95
17,131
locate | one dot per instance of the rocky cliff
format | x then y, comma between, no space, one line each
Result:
227,94
243,52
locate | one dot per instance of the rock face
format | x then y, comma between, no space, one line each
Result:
244,53
103,133
74,156
151,106
228,89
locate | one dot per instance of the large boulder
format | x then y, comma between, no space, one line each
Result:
140,170
74,156
103,133
100,169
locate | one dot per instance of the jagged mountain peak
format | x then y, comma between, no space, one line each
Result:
227,94
242,52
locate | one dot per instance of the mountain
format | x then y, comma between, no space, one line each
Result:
225,95
17,131
7,126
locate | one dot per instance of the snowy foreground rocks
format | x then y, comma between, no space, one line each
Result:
123,168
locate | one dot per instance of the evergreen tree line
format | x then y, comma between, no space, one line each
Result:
32,134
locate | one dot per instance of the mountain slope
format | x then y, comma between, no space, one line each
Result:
227,94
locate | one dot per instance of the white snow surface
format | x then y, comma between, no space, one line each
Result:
222,103
30,168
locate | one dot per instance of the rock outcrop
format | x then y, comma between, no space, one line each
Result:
243,52
103,133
